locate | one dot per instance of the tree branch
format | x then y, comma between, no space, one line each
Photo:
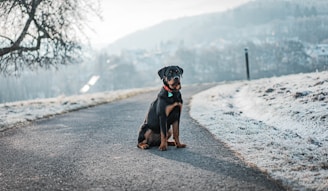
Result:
16,45
41,33
11,41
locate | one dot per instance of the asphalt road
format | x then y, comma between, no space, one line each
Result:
95,149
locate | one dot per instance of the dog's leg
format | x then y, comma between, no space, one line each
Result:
164,133
144,144
163,125
163,145
143,136
168,110
176,135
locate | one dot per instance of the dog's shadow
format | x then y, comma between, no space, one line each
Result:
224,166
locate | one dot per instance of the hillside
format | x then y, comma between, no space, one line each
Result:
282,36
256,19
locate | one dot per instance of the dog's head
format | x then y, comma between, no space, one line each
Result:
171,76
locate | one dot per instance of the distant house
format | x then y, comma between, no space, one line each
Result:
319,54
320,51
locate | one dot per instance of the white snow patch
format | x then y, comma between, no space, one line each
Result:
278,124
22,112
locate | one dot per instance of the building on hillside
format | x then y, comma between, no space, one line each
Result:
319,54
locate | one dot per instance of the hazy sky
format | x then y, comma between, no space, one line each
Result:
122,17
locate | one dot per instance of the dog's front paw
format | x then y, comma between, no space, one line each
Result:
181,145
163,147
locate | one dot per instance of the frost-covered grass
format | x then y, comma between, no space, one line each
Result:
278,124
18,113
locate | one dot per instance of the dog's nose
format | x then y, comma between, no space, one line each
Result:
176,77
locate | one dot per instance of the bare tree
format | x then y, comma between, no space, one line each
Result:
41,33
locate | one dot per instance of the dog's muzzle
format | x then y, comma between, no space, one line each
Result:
176,80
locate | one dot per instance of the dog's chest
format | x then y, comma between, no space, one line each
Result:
173,97
170,97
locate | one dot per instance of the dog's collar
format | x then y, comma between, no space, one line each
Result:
168,89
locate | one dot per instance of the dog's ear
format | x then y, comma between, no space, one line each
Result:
180,70
161,72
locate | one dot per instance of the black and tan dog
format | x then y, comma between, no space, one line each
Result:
163,113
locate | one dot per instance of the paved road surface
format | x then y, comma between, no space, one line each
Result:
95,149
